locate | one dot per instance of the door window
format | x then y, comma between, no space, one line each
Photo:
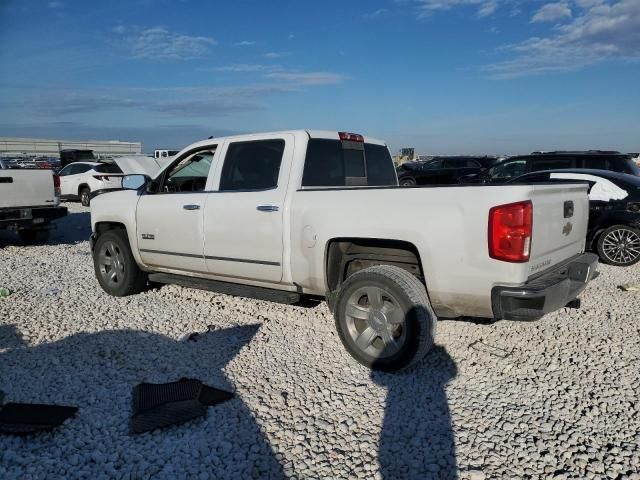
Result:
432,165
190,173
252,165
65,171
508,170
78,168
551,164
461,163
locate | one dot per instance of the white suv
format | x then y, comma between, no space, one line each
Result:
79,179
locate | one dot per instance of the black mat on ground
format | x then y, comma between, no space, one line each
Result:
157,405
26,418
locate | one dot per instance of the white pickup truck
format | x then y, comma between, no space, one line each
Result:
29,202
312,213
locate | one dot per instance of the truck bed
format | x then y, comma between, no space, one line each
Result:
448,225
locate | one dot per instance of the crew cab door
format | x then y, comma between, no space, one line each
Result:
169,220
243,221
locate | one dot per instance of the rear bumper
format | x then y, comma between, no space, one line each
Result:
547,293
30,216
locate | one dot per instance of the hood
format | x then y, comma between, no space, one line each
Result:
139,164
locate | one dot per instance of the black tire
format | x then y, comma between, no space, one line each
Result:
401,293
407,182
619,245
32,236
122,276
85,196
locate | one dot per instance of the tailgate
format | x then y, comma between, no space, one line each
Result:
560,218
26,188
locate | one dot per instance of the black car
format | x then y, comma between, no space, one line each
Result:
522,164
442,170
614,210
74,155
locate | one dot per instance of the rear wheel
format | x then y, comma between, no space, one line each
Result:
32,236
619,245
85,196
384,318
407,182
114,265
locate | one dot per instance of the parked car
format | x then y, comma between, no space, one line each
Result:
71,155
84,180
284,215
442,170
29,202
516,166
614,211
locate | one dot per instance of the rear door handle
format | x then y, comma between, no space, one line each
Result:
191,207
267,208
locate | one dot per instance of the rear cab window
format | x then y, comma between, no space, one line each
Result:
338,163
107,168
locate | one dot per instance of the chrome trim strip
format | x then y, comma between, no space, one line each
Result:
208,257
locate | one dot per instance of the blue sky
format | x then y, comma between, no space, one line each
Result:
443,76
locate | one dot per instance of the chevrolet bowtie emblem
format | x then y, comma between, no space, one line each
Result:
566,230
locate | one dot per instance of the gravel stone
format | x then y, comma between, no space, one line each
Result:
556,398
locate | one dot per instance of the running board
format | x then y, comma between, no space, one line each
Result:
259,293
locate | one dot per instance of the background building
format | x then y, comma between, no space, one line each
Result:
46,147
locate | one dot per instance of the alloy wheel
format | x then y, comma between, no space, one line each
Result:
375,322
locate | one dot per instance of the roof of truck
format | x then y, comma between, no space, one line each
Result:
327,134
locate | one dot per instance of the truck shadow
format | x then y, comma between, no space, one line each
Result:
97,372
72,229
417,438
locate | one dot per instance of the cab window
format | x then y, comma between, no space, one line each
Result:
190,173
253,165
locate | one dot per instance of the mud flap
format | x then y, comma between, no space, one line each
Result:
165,404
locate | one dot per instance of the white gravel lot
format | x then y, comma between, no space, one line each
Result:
557,398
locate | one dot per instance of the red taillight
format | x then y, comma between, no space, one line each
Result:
56,186
351,137
510,228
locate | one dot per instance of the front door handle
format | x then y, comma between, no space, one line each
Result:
267,208
191,207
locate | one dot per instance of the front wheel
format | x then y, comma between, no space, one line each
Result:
384,318
114,265
407,182
619,245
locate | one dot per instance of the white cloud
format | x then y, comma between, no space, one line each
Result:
247,67
56,4
552,12
603,32
244,43
158,43
307,78
589,3
277,54
487,8
375,14
426,8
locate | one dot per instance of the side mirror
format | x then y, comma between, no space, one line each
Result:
134,182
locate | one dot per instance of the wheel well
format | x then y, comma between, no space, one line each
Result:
81,186
345,256
103,227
